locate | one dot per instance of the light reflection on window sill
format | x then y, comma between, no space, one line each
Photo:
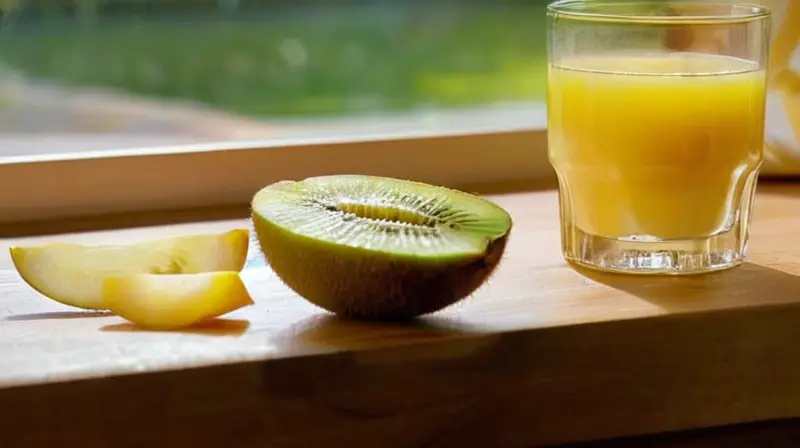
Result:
61,124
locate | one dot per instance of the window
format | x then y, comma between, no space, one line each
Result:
120,105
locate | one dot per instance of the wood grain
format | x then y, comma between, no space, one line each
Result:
541,355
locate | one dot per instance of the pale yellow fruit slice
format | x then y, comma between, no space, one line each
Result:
73,273
167,302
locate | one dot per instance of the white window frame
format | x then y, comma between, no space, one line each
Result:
59,186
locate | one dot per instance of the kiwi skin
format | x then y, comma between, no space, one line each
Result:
362,284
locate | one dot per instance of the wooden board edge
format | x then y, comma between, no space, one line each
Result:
525,388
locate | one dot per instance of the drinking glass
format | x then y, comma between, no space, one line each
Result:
656,127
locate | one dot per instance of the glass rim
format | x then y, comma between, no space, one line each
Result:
738,12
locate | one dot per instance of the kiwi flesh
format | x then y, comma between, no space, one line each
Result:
378,248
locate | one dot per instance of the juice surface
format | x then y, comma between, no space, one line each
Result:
655,145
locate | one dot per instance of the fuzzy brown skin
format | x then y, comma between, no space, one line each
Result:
359,284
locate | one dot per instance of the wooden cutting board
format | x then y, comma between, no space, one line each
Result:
542,354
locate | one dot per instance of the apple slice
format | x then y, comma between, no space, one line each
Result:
167,302
73,274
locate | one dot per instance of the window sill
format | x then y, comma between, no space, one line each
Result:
461,149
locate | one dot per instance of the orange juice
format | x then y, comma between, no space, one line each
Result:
782,131
659,146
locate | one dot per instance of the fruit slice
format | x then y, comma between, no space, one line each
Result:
378,248
73,273
167,302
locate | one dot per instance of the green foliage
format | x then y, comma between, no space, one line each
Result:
307,62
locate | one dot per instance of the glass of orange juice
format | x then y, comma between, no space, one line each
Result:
656,127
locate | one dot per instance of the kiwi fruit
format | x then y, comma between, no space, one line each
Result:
378,248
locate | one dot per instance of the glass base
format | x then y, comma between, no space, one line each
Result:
651,256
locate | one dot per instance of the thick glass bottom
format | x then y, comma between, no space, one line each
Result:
648,256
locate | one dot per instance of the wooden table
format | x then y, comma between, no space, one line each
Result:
541,355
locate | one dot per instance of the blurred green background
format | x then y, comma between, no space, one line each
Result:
268,58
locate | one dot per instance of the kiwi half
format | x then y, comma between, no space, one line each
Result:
378,248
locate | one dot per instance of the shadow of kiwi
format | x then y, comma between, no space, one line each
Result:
212,327
332,331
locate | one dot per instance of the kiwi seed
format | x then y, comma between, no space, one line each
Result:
378,248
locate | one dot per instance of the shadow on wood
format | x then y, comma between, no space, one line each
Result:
59,315
213,327
719,289
330,331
